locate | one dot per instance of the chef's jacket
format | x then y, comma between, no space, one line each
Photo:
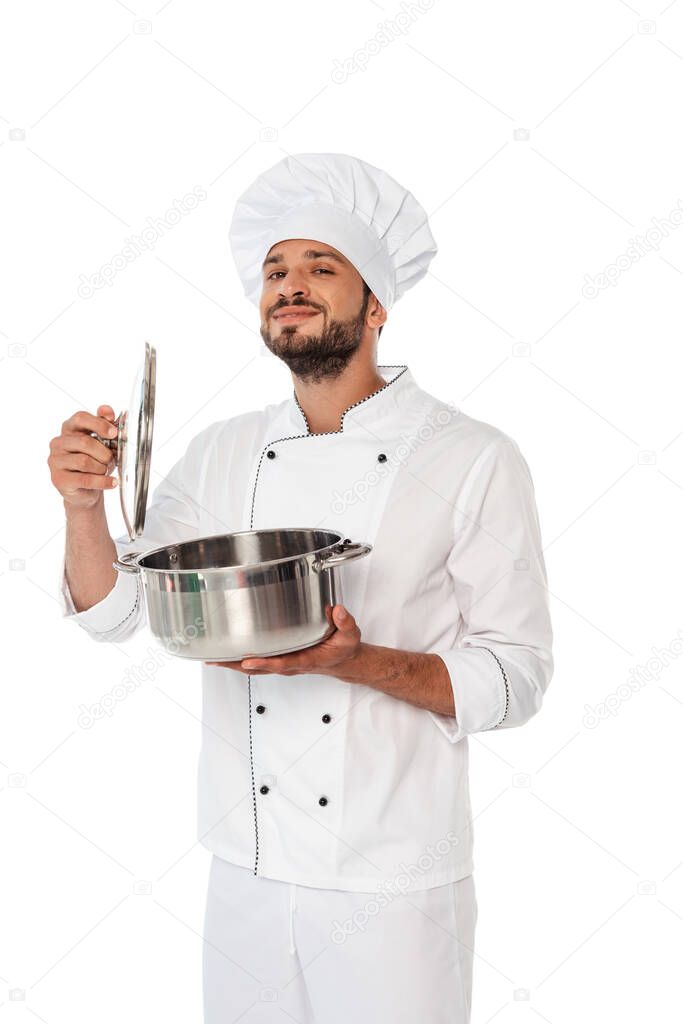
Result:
319,782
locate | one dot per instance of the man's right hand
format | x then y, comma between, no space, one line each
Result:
80,465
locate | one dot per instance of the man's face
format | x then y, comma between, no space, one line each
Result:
312,307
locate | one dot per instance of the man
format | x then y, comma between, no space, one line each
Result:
333,790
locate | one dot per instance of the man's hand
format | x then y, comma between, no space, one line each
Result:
329,657
419,679
80,465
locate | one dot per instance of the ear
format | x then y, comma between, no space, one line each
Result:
376,313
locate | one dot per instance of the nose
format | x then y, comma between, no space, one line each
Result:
292,284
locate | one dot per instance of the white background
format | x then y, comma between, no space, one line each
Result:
578,829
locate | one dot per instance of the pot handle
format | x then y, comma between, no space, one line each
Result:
344,552
123,564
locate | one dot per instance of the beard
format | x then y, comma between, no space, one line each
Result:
316,357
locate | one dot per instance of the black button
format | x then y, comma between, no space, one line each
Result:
322,801
270,454
260,708
327,718
381,457
264,790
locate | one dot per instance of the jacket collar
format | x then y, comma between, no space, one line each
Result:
385,407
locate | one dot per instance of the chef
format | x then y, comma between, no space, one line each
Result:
333,781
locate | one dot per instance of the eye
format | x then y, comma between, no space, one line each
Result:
323,270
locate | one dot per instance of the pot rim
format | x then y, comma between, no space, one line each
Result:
244,565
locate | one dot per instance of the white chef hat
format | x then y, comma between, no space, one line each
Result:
377,224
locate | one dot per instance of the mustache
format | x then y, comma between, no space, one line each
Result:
301,302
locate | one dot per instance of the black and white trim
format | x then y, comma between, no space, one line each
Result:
253,782
397,366
505,683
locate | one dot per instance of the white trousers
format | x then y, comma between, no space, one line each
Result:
274,951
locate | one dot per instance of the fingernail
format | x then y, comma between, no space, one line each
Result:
115,481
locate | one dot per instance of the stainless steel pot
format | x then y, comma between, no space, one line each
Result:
255,593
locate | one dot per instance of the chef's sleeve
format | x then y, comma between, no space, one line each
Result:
501,663
172,516
119,614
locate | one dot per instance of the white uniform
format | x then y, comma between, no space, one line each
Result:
338,786
275,951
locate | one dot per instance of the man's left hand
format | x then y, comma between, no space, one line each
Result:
325,658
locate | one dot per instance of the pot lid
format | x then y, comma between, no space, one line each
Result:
133,445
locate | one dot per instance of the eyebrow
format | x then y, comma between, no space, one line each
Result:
310,254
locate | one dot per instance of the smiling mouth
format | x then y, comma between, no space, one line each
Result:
294,315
